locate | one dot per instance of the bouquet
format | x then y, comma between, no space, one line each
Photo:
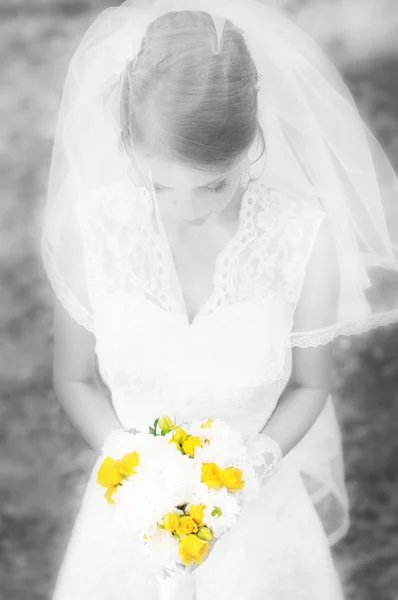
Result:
180,486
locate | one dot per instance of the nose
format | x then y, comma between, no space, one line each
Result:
188,209
183,197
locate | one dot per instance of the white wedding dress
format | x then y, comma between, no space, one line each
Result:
231,362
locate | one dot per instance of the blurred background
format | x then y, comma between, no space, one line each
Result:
44,461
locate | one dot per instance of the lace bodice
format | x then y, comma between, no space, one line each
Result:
266,257
232,361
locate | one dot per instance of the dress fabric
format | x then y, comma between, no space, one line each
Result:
232,362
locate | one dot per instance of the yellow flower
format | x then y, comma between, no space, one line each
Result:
190,444
205,534
211,474
192,549
196,511
171,441
165,424
186,525
108,494
207,423
128,462
232,478
179,435
171,521
109,473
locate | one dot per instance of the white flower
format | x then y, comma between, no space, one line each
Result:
195,428
164,479
222,504
222,513
118,443
163,548
226,446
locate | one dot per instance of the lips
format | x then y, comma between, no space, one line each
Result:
195,221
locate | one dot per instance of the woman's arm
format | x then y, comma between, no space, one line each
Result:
76,382
297,410
310,383
89,409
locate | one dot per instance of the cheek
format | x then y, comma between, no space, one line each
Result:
212,201
196,204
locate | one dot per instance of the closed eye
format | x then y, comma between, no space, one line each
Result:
220,187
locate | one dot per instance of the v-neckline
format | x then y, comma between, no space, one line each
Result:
162,235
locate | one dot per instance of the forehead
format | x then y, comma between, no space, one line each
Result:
170,174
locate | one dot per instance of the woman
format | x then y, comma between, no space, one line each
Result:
215,215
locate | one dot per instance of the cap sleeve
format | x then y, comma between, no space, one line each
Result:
305,267
64,258
301,240
314,286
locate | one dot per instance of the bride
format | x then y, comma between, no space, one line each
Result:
217,214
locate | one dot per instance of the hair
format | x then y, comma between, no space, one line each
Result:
182,101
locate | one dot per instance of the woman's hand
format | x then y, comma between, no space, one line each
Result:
271,453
